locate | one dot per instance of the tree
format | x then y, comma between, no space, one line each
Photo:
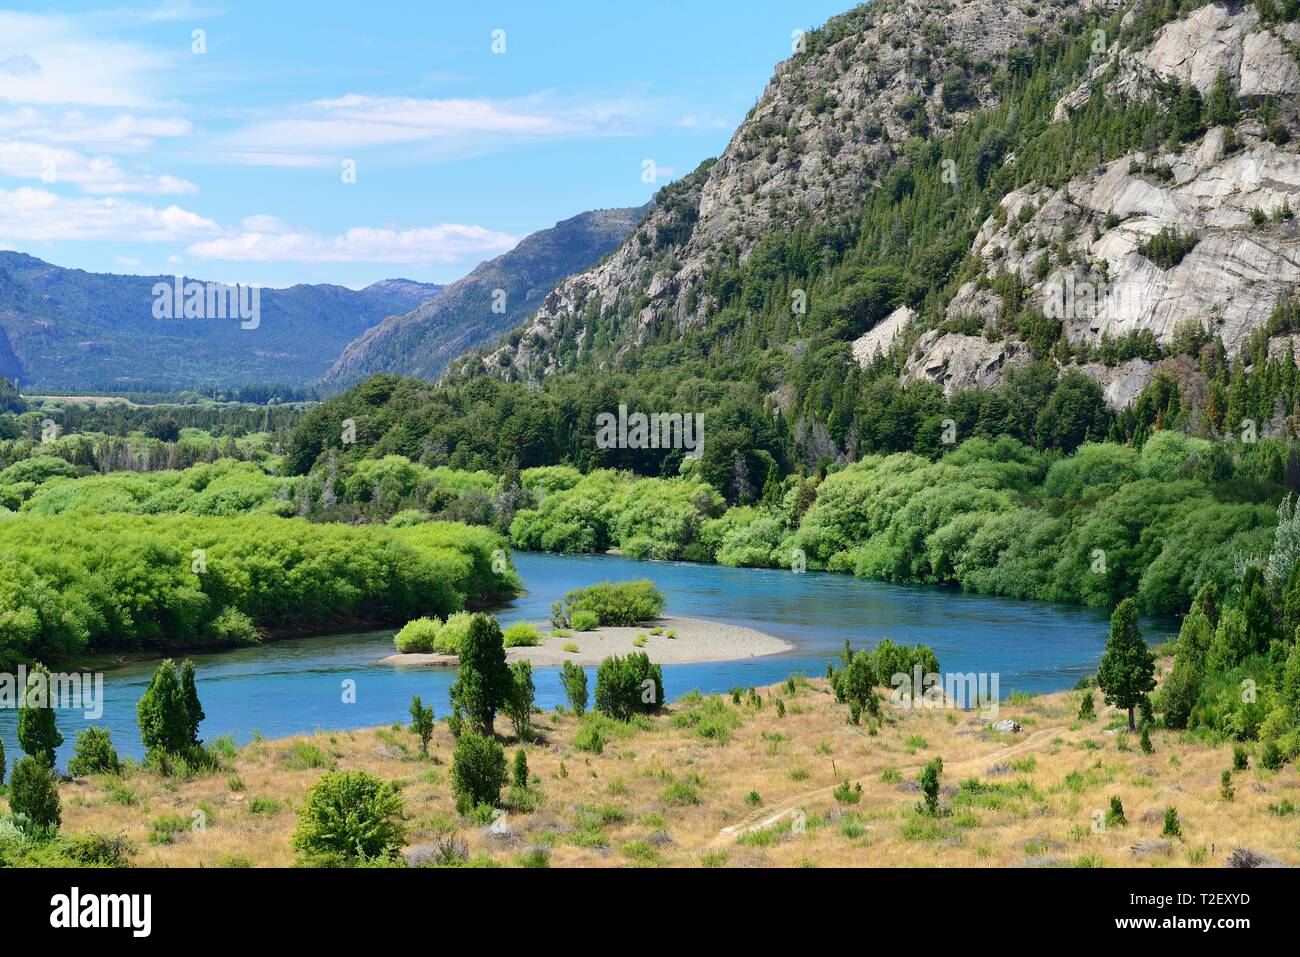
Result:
422,723
350,816
521,769
574,680
628,686
163,712
190,694
856,686
1127,669
38,734
929,780
1221,109
519,702
1115,815
94,753
478,771
1087,709
483,680
34,792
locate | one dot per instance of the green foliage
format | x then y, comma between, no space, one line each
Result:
1173,827
38,734
93,753
483,680
350,817
1127,669
583,620
1087,709
518,704
422,723
520,769
929,781
418,636
34,792
574,680
522,634
629,686
478,772
622,603
1115,813
168,712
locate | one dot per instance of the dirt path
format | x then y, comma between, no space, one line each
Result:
767,817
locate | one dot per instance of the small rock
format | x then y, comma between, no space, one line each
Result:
660,839
1152,849
1006,726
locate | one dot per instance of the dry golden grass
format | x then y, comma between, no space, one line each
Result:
632,804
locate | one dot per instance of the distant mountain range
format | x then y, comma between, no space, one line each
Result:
474,311
80,331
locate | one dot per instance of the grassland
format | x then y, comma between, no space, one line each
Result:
715,783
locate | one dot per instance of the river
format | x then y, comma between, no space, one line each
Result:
298,685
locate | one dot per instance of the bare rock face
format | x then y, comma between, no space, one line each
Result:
825,131
878,340
954,360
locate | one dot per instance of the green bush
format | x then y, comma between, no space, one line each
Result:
166,711
233,627
93,753
574,680
621,603
483,680
629,686
583,620
34,792
38,734
348,817
518,705
478,772
418,636
522,634
451,637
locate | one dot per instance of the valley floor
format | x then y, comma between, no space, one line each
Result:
761,791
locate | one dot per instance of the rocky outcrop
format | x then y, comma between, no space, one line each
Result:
954,360
825,131
878,340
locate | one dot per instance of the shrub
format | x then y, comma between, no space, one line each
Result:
34,792
95,849
848,794
233,627
628,686
478,772
589,737
571,647
1115,815
1087,708
522,634
348,817
519,701
574,680
422,723
521,769
93,753
418,636
452,634
584,620
930,785
1172,826
621,603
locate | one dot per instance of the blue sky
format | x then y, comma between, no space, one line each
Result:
122,149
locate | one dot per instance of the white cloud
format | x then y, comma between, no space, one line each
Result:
36,215
127,261
50,58
119,133
98,174
322,131
267,239
705,121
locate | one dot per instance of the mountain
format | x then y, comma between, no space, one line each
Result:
921,183
473,311
69,329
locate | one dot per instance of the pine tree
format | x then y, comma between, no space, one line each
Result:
1127,669
483,680
38,733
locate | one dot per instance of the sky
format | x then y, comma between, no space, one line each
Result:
346,142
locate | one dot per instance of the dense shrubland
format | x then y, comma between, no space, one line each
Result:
115,580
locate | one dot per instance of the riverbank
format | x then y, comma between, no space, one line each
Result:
718,783
668,641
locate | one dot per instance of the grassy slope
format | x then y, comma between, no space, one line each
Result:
1043,816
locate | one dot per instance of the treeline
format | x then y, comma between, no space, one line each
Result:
86,581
